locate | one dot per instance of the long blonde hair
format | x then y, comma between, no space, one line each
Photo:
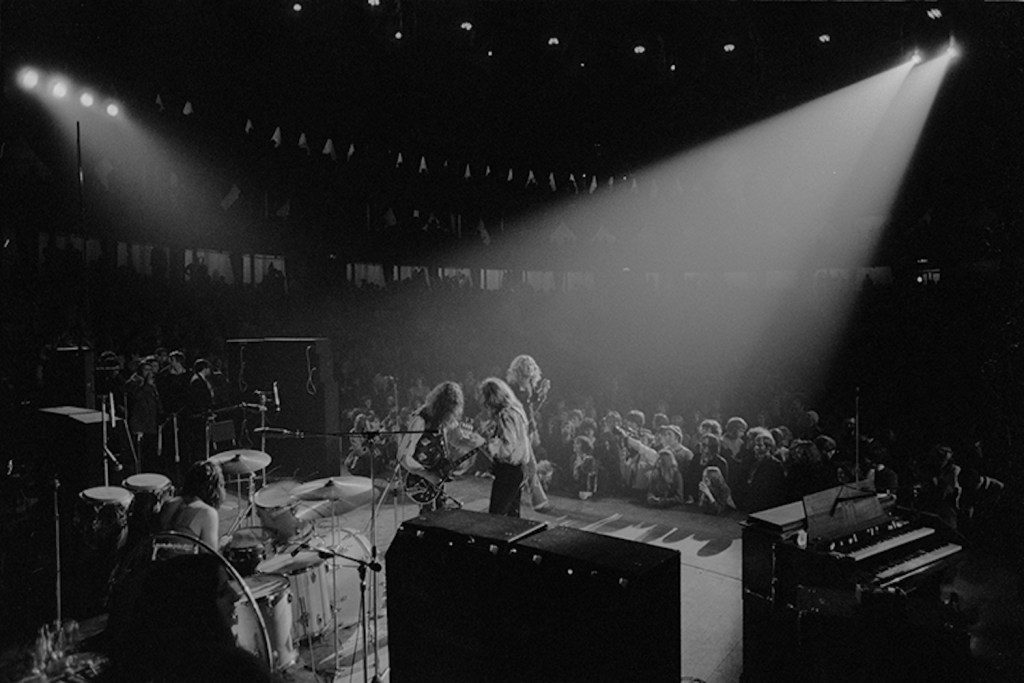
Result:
497,395
523,371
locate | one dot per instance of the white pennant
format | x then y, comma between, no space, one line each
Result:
551,182
487,173
530,178
398,161
230,198
423,164
276,137
351,151
485,236
159,102
329,149
303,144
593,184
248,126
467,175
187,109
509,176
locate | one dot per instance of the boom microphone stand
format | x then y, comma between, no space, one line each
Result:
277,432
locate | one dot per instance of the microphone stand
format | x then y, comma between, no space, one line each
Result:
373,529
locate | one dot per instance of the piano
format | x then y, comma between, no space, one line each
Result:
843,585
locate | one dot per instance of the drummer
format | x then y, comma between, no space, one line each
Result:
195,511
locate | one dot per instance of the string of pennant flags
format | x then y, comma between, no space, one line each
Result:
552,179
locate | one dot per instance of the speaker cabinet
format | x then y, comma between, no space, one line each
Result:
303,368
485,598
447,573
591,607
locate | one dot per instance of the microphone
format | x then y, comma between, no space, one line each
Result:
110,456
278,432
277,397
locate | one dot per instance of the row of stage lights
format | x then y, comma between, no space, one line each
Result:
59,88
639,48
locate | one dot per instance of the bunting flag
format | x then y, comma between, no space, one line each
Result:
509,176
530,178
398,161
351,151
248,126
230,198
593,184
446,163
611,181
603,236
485,236
329,150
285,210
423,164
551,182
187,109
467,175
487,173
389,218
303,144
276,137
572,182
159,102
562,234
632,186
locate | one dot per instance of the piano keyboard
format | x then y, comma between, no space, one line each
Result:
890,543
915,563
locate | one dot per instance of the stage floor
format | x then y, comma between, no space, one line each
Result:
709,579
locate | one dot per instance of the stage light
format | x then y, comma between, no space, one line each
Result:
466,26
86,99
920,279
59,89
28,78
490,53
373,3
916,59
398,35
297,7
672,67
553,41
113,109
728,47
935,13
824,38
583,65
639,50
953,50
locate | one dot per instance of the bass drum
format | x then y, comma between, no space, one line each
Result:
274,601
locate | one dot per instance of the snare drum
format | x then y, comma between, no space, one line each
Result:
247,548
101,516
274,601
291,520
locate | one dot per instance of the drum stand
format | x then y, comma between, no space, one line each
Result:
56,524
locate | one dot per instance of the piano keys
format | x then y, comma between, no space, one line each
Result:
866,574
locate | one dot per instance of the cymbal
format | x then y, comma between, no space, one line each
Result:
241,461
351,492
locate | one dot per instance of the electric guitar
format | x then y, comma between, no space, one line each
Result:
427,485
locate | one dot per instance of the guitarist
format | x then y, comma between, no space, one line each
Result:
426,457
524,377
509,445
